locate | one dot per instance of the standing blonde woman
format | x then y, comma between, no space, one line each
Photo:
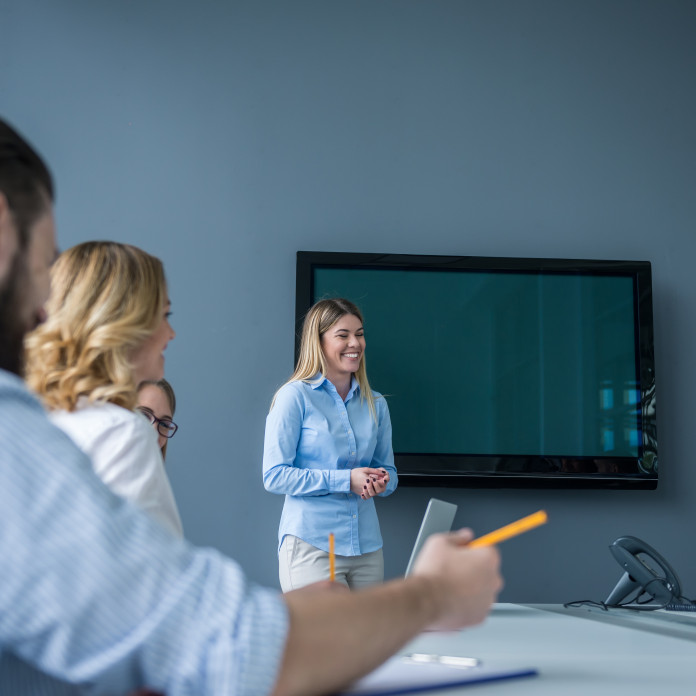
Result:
107,328
328,449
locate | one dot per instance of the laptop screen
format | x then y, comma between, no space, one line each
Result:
438,517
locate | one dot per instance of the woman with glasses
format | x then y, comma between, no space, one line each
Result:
157,402
106,332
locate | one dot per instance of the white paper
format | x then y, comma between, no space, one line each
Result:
401,676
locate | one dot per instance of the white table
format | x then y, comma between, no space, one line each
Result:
576,651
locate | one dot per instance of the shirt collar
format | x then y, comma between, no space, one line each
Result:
318,380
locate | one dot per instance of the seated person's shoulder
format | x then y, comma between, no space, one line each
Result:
17,401
96,421
26,431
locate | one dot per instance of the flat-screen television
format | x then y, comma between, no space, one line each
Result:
504,372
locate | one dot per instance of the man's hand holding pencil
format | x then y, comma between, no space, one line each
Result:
468,569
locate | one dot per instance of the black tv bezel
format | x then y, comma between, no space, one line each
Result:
436,470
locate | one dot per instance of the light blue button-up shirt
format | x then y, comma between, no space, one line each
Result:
98,598
313,440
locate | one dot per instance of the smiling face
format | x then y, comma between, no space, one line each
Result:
148,359
343,345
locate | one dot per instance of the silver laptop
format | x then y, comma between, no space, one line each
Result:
438,517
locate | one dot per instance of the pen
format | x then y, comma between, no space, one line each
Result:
332,558
451,660
510,530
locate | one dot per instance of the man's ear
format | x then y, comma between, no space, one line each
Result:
8,237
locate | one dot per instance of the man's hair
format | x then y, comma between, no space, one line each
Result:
25,181
106,300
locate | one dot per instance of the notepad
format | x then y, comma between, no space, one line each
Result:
400,676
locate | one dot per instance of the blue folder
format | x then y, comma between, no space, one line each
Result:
399,676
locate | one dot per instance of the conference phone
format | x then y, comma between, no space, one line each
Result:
649,581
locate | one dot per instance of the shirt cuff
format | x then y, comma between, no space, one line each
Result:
339,481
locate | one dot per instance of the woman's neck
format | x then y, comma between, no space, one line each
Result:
342,384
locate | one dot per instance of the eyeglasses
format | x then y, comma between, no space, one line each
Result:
164,426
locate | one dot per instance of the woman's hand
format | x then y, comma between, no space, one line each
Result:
367,482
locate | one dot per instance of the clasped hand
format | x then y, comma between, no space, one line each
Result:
367,482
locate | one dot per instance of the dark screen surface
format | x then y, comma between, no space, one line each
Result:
505,371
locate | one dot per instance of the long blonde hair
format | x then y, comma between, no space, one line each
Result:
106,299
318,320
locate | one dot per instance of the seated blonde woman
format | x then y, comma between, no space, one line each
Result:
107,328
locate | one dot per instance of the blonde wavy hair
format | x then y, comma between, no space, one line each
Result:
318,320
106,300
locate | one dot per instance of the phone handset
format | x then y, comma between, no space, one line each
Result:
646,573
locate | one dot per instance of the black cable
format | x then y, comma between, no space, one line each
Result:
634,605
586,602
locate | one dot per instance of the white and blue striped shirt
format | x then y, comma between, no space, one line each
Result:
97,598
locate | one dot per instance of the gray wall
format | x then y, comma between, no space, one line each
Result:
225,136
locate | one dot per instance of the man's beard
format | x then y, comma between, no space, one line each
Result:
13,326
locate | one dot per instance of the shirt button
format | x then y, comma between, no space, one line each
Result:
354,516
353,453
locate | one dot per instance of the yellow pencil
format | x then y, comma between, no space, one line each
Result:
510,530
332,558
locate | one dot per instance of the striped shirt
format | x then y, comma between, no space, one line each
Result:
95,597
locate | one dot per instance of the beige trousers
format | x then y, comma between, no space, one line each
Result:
300,564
